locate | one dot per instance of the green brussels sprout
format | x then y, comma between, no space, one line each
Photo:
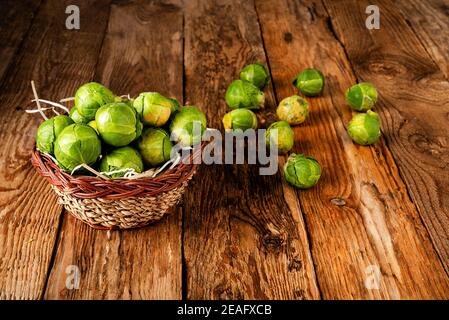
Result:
155,146
255,73
294,110
243,94
285,136
154,109
76,117
188,125
75,145
240,119
301,171
362,96
49,130
310,82
91,96
121,158
118,124
364,128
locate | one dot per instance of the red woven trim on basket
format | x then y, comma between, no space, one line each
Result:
85,187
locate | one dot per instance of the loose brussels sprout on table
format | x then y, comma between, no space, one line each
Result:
240,119
285,136
364,128
310,82
91,96
294,110
155,146
49,130
77,144
188,126
154,109
255,73
118,123
301,171
76,117
121,158
362,96
243,94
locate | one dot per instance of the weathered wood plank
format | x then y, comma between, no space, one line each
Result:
142,51
360,218
29,213
16,20
242,239
430,22
414,106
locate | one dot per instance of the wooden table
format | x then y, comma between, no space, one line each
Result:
375,227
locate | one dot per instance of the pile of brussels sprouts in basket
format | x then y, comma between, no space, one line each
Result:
246,94
117,135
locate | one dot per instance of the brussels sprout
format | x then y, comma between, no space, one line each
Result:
255,73
93,124
155,146
364,128
243,94
285,136
301,171
91,96
76,117
240,119
121,158
188,126
154,109
118,124
362,96
75,145
49,130
310,82
294,110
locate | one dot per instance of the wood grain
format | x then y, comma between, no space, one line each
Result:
145,263
430,23
29,213
359,217
17,17
242,239
414,106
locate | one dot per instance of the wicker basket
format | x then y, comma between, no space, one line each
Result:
117,203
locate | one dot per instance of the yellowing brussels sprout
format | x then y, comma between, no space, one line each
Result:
188,126
75,145
120,159
301,171
118,124
155,146
310,82
362,96
154,109
255,73
240,119
93,125
76,117
243,94
91,96
364,128
285,136
294,110
49,130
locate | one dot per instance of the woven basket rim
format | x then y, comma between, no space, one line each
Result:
89,187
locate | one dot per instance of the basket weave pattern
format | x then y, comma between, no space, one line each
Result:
116,203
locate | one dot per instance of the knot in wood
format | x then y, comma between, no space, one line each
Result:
340,202
272,240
